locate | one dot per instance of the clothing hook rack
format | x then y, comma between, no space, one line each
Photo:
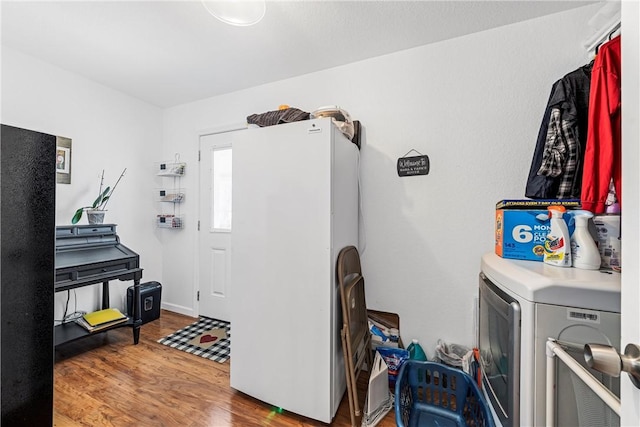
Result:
616,28
594,43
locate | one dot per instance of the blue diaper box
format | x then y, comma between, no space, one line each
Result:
520,232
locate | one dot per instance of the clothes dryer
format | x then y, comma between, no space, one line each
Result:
521,305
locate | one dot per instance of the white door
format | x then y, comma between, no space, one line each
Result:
215,222
630,396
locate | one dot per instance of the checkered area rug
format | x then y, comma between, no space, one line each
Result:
219,351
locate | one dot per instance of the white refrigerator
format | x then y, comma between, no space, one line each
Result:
295,206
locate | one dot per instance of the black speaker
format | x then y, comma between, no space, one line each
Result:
150,293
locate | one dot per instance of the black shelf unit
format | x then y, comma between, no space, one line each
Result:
71,331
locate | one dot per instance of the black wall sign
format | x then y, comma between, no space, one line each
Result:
410,166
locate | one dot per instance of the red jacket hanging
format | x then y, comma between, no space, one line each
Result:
602,157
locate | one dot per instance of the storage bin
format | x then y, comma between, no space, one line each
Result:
451,354
430,394
150,293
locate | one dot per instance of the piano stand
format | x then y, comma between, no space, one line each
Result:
88,255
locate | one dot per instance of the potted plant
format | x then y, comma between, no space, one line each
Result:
95,212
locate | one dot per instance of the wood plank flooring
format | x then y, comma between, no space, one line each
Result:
105,380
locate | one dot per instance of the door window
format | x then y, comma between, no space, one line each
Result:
221,189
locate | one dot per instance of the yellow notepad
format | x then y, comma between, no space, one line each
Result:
101,326
103,316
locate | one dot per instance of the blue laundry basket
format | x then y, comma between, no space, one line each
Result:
432,394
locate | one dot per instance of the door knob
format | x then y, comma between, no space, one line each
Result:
607,360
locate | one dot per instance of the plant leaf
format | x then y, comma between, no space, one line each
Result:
97,202
102,198
77,216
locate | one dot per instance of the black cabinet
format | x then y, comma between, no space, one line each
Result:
27,249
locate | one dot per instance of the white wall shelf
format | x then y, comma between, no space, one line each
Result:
171,195
175,169
169,221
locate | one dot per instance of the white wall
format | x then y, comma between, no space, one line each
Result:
109,131
473,104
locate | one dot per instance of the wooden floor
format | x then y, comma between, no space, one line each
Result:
105,380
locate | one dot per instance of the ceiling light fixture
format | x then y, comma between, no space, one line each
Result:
237,12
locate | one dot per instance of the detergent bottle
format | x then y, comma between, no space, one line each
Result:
415,351
584,252
557,245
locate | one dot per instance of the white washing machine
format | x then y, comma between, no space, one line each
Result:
521,305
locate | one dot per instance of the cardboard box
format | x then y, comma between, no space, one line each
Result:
386,321
520,233
537,203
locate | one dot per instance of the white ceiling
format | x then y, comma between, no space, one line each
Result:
172,52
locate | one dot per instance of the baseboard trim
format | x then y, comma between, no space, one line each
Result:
178,309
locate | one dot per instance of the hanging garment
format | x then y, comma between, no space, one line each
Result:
560,155
540,186
556,168
602,159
